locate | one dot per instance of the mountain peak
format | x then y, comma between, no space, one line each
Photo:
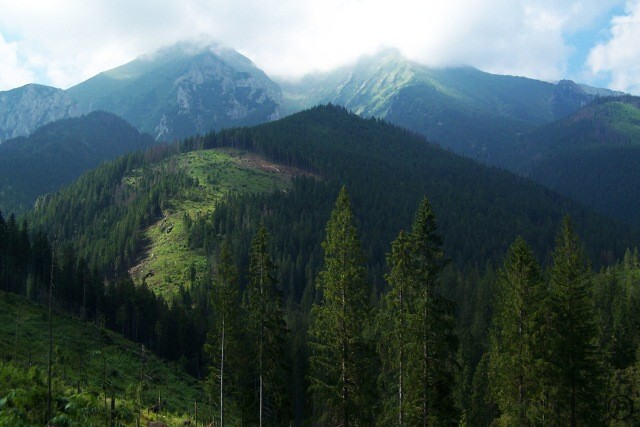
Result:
194,86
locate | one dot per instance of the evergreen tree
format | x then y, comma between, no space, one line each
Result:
434,324
267,333
418,348
394,345
517,324
223,337
483,410
574,354
340,381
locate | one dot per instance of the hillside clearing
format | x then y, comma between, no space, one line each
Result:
167,260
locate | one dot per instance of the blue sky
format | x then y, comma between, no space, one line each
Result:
583,41
63,42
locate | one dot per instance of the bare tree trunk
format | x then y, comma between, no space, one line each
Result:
401,378
50,339
222,375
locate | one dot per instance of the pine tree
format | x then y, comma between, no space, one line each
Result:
340,381
574,354
223,337
267,332
517,324
418,347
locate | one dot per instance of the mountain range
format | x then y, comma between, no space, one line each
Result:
512,122
471,112
171,94
192,88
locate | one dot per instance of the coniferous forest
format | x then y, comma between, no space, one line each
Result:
389,283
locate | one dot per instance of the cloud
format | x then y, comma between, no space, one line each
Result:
66,41
13,72
619,57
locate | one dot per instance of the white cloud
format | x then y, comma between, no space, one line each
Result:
619,57
67,41
13,72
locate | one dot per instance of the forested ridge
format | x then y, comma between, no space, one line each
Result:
592,156
56,154
434,342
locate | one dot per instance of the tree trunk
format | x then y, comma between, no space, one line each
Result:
222,376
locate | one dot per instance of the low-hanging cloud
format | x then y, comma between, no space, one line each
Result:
619,57
64,42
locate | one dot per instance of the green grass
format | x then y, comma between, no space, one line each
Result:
168,260
81,352
623,117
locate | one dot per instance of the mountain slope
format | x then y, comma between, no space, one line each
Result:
25,109
387,170
57,153
183,90
81,352
592,156
474,113
135,212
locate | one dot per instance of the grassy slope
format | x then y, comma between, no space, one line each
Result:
168,259
77,345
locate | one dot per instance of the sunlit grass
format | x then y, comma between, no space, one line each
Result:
168,259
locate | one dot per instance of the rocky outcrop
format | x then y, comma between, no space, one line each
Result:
24,109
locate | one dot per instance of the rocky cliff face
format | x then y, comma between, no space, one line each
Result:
24,109
211,93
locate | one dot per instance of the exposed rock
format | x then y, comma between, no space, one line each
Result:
24,109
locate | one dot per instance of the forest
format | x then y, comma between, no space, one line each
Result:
561,342
377,294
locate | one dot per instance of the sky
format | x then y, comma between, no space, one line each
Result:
63,42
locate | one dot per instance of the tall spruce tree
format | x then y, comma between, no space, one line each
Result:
394,345
576,360
267,332
515,359
223,338
340,380
418,346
